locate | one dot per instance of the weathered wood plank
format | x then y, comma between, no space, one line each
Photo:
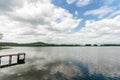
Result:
0,60
18,61
12,54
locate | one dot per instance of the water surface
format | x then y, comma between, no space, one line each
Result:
64,63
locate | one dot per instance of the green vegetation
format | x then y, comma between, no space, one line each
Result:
88,45
95,45
110,45
37,44
0,47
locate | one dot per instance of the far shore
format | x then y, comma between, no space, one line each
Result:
6,45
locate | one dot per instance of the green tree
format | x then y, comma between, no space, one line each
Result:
88,45
95,45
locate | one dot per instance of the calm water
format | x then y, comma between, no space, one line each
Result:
64,63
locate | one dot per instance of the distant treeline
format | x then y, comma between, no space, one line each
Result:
37,44
110,45
102,44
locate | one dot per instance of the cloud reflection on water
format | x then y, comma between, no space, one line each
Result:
67,64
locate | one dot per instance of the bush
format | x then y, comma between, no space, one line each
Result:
87,44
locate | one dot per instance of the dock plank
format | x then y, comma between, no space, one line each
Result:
18,61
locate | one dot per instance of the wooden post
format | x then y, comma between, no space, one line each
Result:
24,57
18,57
0,60
19,61
10,59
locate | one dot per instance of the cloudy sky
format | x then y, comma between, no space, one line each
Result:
60,21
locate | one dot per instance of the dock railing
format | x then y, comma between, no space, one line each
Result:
20,59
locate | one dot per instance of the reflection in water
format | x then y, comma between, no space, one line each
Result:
65,63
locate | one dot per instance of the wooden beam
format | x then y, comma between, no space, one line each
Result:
0,60
19,61
10,59
12,54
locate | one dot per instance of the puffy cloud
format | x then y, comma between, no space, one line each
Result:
36,20
100,12
102,31
41,14
40,20
9,5
105,30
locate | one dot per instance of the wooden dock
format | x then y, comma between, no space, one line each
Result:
20,59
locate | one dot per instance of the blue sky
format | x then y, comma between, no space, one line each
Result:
92,5
60,21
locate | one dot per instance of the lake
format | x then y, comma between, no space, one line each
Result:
64,63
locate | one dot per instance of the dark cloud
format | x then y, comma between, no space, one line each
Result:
9,5
33,33
38,20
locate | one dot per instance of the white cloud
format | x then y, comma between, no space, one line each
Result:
79,3
76,13
35,21
70,1
105,30
114,14
43,21
40,14
9,5
100,12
